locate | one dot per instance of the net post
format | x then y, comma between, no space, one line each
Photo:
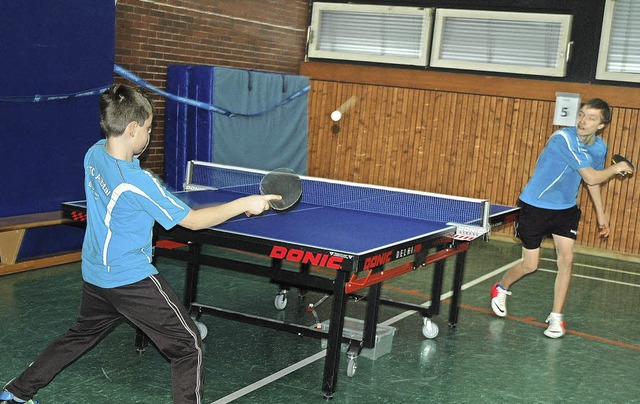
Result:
486,211
188,175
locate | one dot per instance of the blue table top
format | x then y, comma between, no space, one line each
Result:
327,227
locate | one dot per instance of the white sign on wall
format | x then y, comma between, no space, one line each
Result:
567,107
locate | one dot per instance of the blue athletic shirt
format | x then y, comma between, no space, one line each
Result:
556,180
123,203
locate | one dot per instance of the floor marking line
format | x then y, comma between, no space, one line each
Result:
635,285
620,271
271,378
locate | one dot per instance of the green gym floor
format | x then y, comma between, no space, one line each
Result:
485,359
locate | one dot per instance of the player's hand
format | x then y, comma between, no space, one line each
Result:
623,168
603,231
257,204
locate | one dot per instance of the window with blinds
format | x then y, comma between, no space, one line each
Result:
619,56
525,43
383,34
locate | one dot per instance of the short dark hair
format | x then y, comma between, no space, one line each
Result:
120,105
605,109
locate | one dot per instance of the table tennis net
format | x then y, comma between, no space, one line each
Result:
342,194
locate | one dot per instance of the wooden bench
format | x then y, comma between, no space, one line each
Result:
12,231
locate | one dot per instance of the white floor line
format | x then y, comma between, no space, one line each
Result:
635,285
620,271
271,378
290,369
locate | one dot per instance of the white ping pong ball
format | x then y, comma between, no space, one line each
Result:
336,115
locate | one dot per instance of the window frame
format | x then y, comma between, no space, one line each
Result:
603,54
314,30
565,21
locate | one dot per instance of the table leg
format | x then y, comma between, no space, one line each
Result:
436,287
191,276
371,316
454,309
334,341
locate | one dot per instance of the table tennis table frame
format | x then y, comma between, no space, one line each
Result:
435,249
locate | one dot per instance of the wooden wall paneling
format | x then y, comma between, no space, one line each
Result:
463,144
376,121
430,137
350,134
407,161
627,210
612,189
337,133
421,135
476,173
494,160
354,139
390,136
438,169
394,138
632,195
485,156
409,145
510,162
316,96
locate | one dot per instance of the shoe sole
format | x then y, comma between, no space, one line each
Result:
553,334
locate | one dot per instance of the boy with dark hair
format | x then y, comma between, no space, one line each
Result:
119,279
549,204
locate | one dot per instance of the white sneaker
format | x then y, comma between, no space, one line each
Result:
556,327
499,300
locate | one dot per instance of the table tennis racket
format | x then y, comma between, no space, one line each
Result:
284,182
617,158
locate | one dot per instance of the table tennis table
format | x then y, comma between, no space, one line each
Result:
355,231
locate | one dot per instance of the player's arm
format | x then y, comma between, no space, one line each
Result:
603,220
210,216
591,176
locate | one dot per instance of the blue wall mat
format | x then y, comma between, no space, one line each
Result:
264,124
50,48
276,138
188,129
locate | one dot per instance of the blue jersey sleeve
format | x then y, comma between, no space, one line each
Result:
164,207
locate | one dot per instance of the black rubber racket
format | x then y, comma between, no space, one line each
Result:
284,182
618,158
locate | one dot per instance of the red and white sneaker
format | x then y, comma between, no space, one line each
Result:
499,300
556,327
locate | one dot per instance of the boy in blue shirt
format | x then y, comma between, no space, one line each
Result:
119,279
549,204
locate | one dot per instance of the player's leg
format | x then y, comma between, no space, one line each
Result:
153,306
530,229
564,251
500,291
565,232
528,265
97,317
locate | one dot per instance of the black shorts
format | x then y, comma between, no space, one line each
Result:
535,223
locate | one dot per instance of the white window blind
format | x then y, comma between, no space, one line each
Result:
526,43
369,33
619,57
